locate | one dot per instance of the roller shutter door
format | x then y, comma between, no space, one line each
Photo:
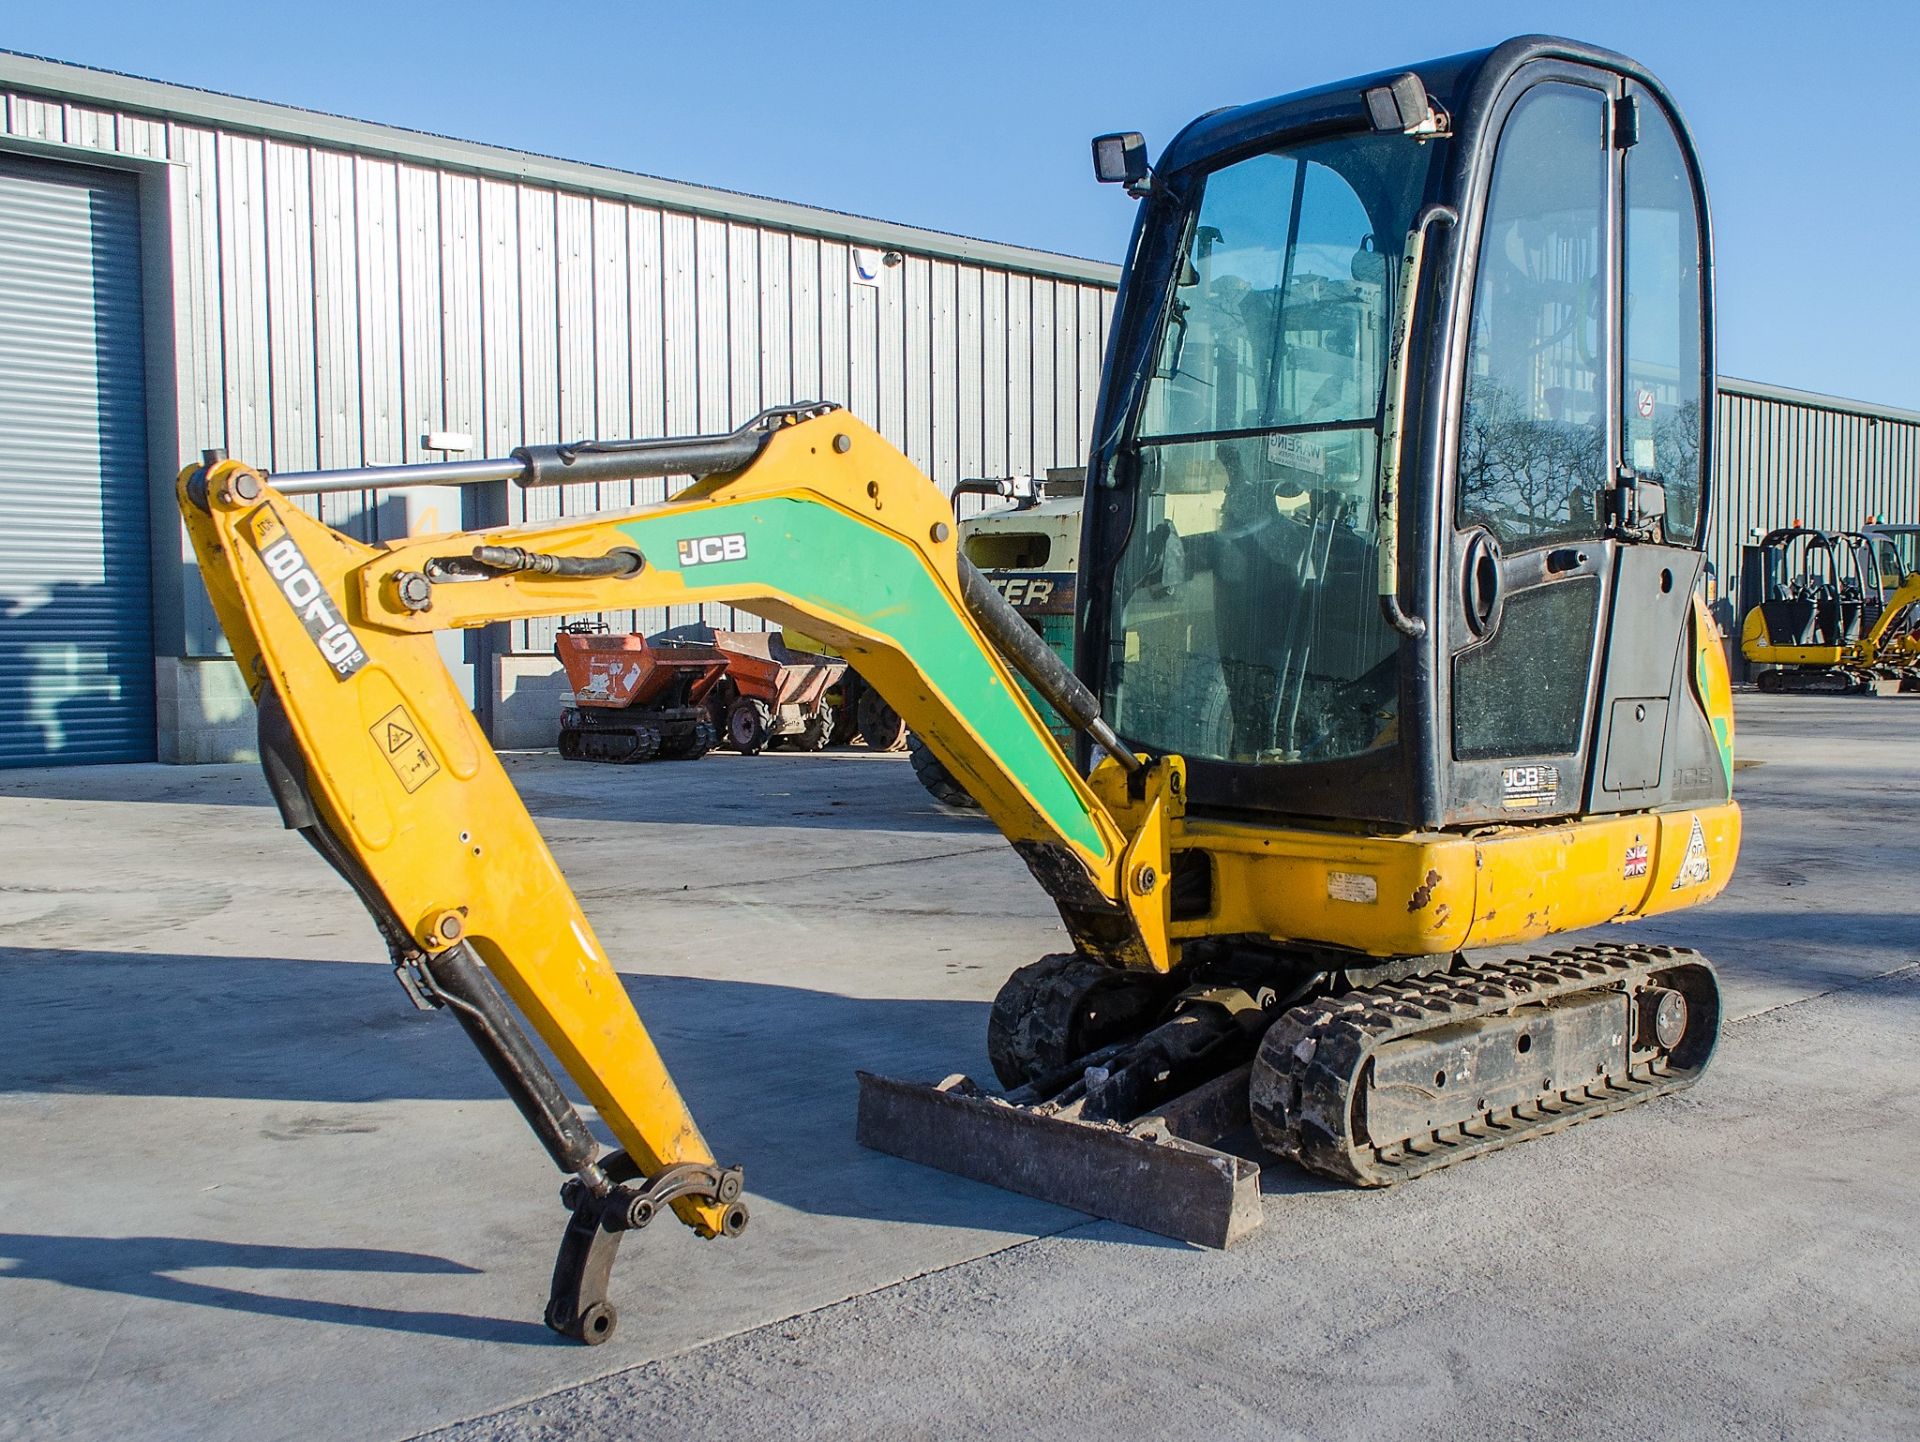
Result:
76,635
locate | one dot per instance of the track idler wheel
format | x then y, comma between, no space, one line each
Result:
1060,1008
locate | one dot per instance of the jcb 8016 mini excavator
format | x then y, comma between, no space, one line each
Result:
1389,662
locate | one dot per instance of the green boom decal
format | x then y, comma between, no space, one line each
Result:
834,563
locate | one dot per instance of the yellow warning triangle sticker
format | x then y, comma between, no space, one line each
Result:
1694,866
398,736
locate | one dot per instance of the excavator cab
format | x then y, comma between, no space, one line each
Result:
1393,532
1389,664
1400,464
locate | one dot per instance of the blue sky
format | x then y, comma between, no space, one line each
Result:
975,118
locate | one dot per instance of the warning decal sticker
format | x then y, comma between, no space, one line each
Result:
398,737
1694,867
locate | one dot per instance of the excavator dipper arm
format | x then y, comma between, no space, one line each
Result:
375,757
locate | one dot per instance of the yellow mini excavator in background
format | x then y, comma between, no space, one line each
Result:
1829,611
1389,663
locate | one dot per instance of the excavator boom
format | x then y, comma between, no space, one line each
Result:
373,754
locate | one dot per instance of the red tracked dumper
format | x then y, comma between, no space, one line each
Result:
634,700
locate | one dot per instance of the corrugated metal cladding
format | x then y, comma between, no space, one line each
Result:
76,641
1789,455
335,306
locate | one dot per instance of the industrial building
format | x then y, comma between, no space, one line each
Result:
182,270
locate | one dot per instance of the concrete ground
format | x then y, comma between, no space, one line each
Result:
246,1191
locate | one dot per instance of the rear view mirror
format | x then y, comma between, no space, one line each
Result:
1402,105
1121,160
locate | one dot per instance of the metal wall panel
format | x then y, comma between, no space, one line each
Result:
291,349
969,373
712,366
463,357
502,428
836,328
943,370
916,343
577,320
890,352
1066,370
196,289
336,324
76,642
776,339
1041,397
1022,348
804,293
423,396
1786,456
996,345
645,296
332,305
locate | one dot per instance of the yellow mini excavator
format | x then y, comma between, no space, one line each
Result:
1822,615
1389,663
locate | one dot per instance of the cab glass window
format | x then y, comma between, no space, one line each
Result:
1663,380
1247,622
1532,436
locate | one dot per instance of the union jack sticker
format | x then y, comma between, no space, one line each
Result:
1636,859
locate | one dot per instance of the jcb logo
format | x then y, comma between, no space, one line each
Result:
704,550
1529,788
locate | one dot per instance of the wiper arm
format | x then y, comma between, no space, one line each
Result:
1178,317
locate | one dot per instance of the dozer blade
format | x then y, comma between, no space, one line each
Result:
1158,1172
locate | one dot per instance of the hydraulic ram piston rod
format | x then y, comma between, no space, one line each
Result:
581,463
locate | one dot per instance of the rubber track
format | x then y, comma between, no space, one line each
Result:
1314,1057
1033,1015
932,773
597,744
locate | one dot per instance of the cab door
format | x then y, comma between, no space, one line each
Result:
1578,491
1653,740
1525,598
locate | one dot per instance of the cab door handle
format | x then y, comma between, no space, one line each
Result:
1480,584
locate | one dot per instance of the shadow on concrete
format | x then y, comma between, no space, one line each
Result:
143,1267
834,791
768,1070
